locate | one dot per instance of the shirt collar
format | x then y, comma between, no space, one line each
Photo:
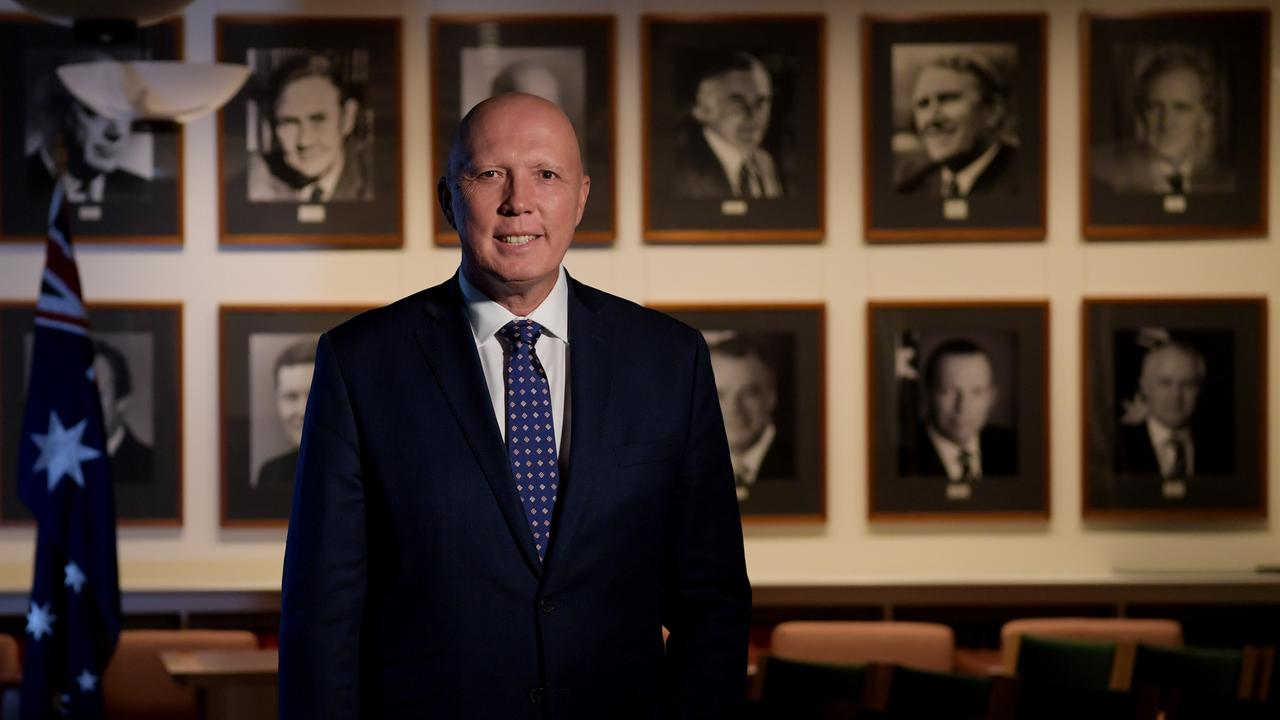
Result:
487,317
1162,434
326,182
952,448
730,157
748,463
969,175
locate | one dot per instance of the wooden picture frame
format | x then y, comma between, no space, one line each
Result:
1165,372
779,446
266,357
124,180
700,74
138,362
568,57
950,437
953,131
335,180
1175,130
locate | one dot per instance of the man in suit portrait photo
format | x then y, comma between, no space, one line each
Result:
719,145
960,113
291,379
315,149
132,461
1175,108
510,483
1160,434
957,441
99,149
748,390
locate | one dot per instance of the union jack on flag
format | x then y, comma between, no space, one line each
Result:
73,618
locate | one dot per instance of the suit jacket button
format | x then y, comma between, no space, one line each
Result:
536,695
547,604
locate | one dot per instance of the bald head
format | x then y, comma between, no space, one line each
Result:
515,192
517,104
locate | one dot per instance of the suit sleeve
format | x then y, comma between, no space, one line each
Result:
325,558
707,597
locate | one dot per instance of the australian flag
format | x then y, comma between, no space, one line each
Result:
74,615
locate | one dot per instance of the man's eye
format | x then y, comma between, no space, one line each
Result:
487,174
547,174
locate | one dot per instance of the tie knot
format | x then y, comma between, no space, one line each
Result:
521,332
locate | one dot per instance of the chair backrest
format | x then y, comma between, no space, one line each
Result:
1083,664
923,694
10,667
803,690
1208,671
136,685
1153,631
922,646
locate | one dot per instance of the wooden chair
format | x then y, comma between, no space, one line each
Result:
136,685
1153,631
917,645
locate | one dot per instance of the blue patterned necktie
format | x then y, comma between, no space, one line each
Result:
531,435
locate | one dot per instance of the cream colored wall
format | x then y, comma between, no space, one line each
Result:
843,272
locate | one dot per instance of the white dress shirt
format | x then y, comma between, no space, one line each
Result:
966,178
1163,439
949,452
487,318
746,465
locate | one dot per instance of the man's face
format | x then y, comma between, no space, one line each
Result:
953,122
293,385
112,407
961,399
747,397
735,105
1171,386
1174,115
311,123
101,140
518,195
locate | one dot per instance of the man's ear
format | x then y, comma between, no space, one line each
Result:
446,202
583,192
349,109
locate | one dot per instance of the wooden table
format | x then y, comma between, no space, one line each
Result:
229,684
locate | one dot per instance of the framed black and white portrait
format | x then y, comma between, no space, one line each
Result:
954,128
769,370
1175,408
309,151
567,59
733,128
122,176
267,357
138,368
1174,112
958,421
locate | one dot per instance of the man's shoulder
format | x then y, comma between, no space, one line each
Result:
654,325
396,317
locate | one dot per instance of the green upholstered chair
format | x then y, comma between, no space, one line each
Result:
1073,663
805,690
922,694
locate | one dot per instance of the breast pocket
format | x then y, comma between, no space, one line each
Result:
643,452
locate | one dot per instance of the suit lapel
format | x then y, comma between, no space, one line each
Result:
590,380
447,344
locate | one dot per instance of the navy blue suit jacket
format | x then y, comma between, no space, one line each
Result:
411,584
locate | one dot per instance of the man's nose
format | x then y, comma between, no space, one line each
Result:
517,200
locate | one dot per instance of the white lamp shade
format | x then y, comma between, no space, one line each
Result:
67,11
153,90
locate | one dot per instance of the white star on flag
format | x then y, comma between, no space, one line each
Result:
75,577
87,681
40,620
61,452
